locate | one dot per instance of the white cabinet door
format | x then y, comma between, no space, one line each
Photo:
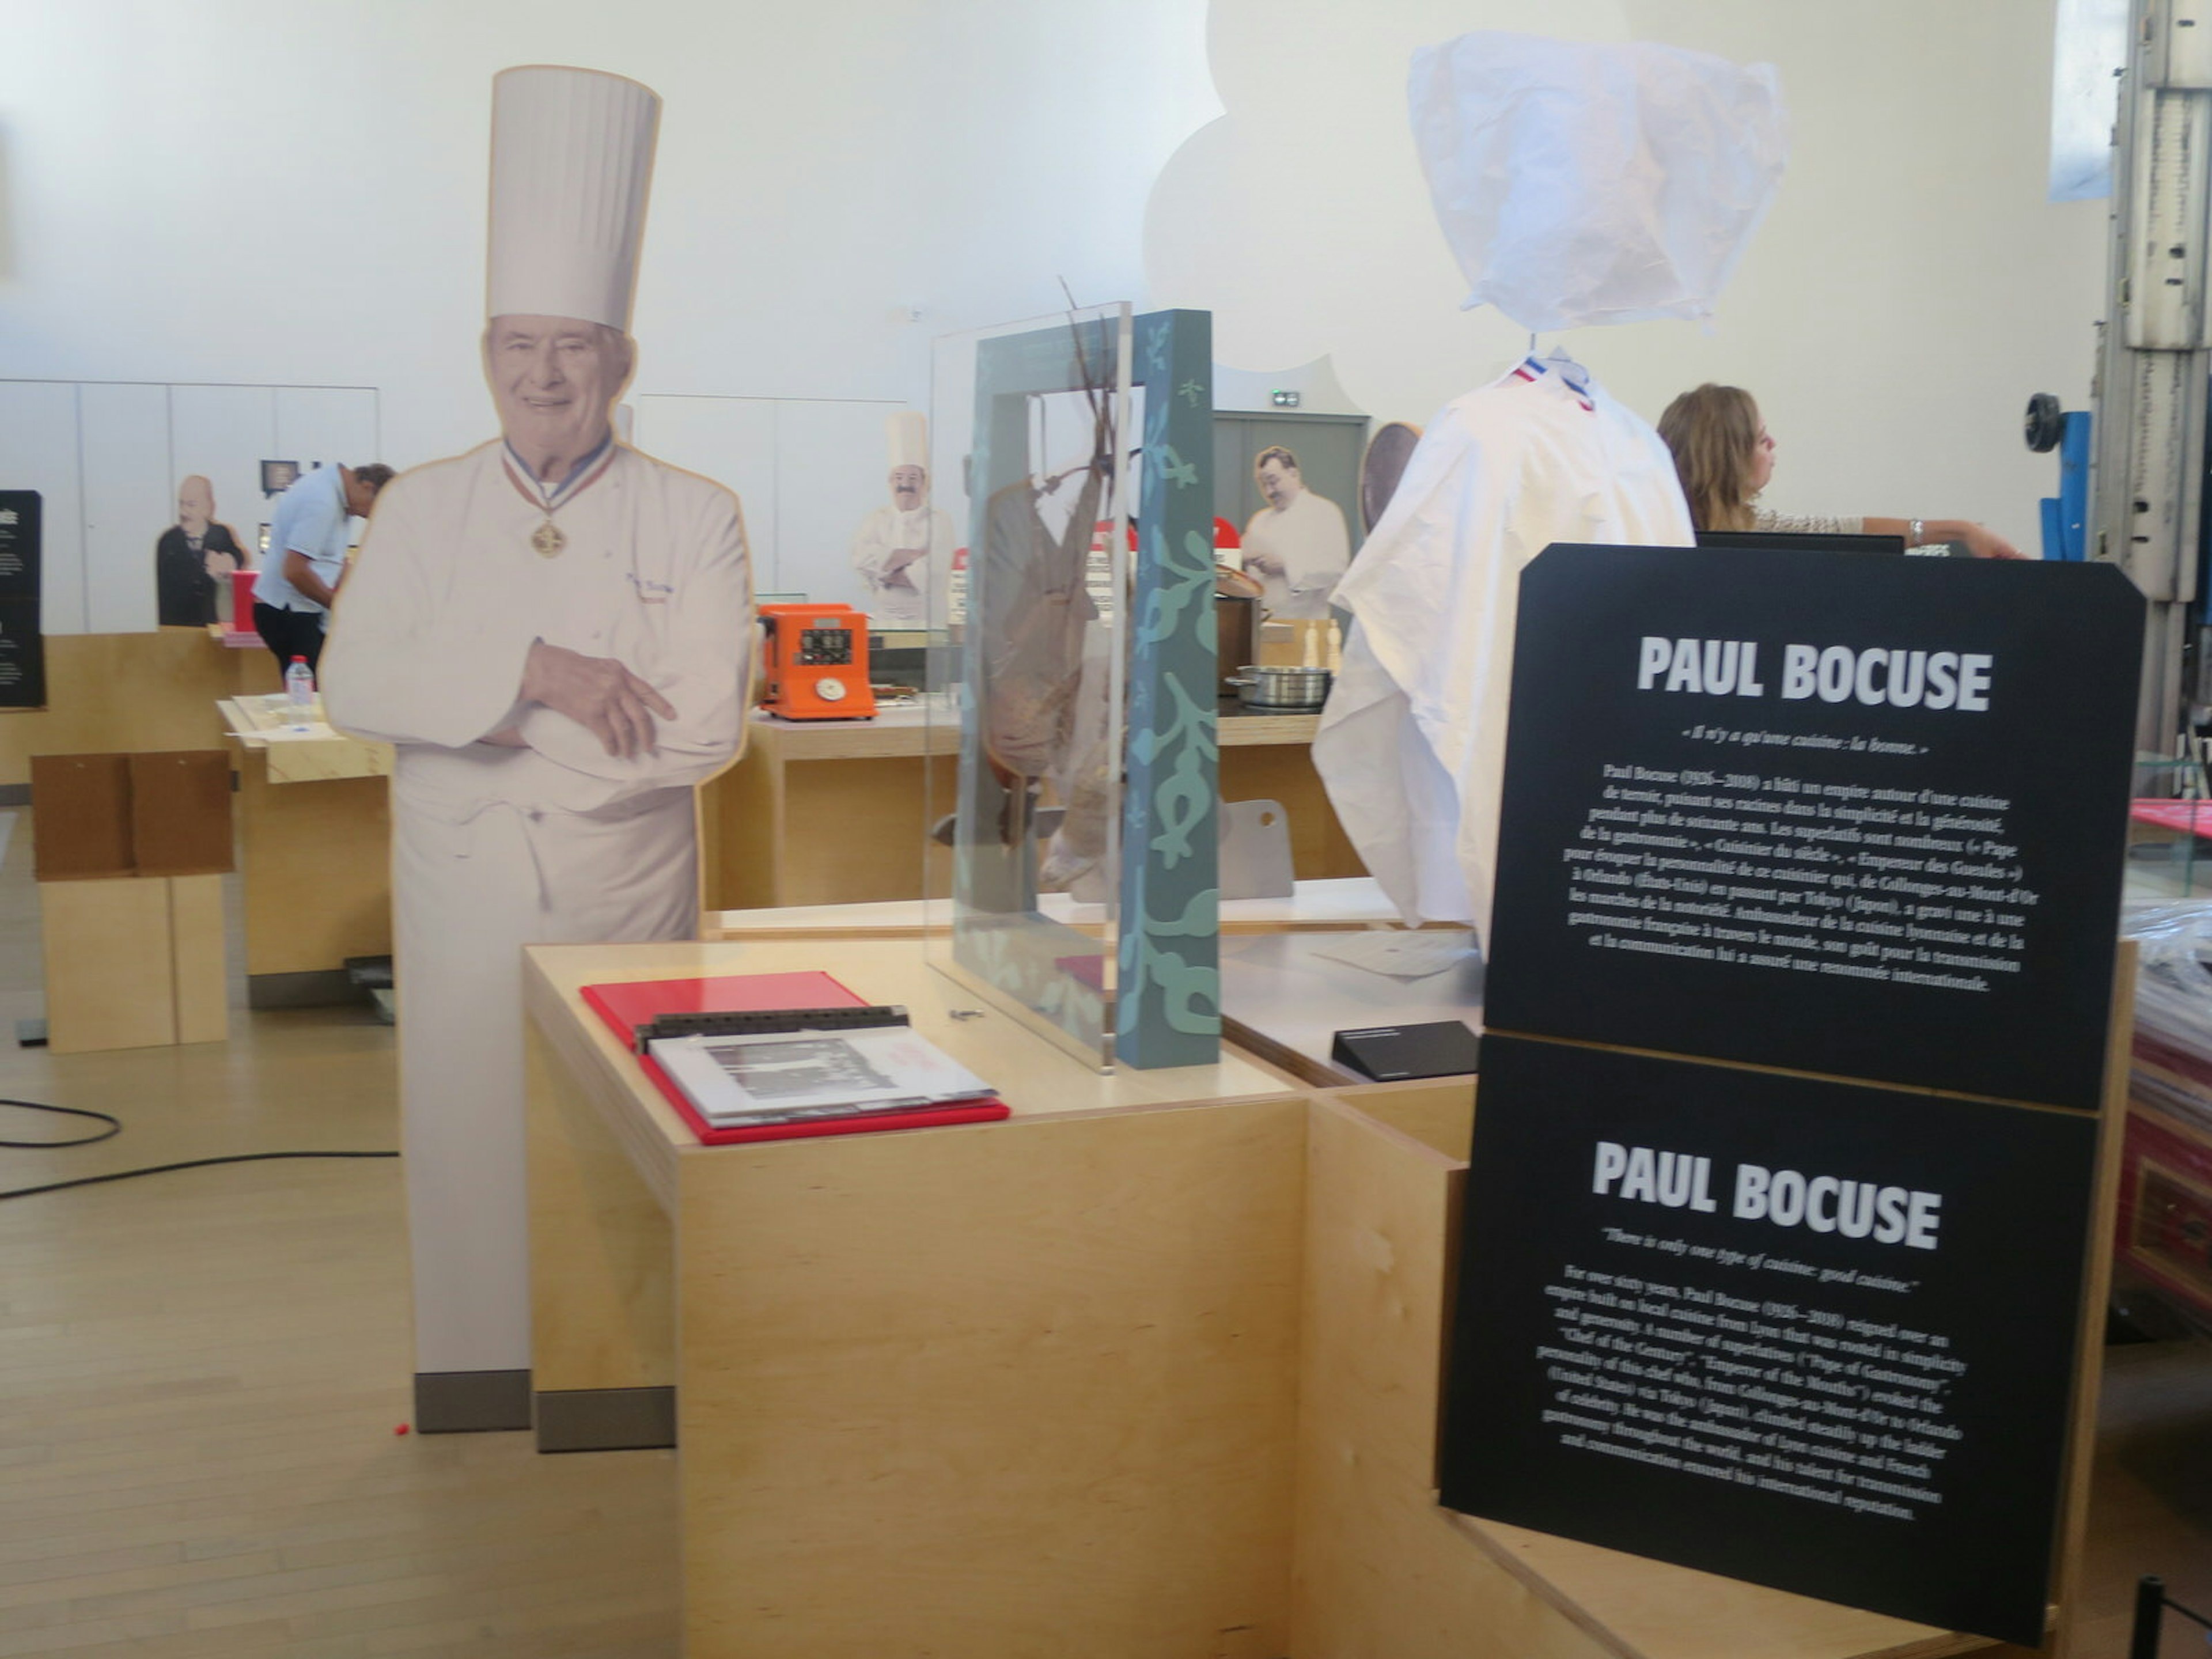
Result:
807,470
833,469
37,451
128,501
730,440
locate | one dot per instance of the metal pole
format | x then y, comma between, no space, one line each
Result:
2150,1611
2155,356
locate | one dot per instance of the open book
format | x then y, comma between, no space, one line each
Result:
790,1077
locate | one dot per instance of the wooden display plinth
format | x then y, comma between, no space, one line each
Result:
1152,1367
133,961
1029,1390
130,852
315,849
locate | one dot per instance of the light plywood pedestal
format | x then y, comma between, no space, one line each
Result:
828,813
1282,770
315,855
1151,1368
1016,1388
136,962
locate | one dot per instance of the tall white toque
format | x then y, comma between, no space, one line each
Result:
908,434
571,166
1590,182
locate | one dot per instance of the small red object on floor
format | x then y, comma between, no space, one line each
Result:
402,1428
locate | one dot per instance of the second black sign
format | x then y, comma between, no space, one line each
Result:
1813,1334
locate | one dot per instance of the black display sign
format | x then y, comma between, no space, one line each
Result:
1843,814
23,642
1391,1054
1813,1334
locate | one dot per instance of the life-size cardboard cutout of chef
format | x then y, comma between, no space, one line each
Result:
904,550
551,628
1296,545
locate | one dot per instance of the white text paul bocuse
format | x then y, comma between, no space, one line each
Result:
1878,676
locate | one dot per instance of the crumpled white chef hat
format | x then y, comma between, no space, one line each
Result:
571,165
1582,183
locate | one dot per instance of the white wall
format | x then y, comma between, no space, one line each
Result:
250,191
805,470
265,191
107,456
1910,288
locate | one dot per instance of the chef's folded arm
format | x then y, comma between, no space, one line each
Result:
405,666
701,671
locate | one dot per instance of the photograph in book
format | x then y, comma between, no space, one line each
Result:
780,1078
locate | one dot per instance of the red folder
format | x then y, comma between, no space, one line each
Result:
2192,817
628,1004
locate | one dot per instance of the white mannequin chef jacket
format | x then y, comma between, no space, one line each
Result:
1411,744
495,847
881,534
1310,539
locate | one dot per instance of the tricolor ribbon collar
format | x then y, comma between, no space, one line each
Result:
581,476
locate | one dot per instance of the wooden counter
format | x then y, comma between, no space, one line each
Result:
815,813
1016,1388
121,693
1151,1368
314,822
838,812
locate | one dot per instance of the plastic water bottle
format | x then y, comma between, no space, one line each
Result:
300,693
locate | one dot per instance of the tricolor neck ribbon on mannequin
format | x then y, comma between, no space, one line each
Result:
1569,374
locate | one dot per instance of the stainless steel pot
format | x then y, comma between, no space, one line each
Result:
1281,689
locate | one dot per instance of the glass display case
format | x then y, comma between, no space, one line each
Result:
1082,891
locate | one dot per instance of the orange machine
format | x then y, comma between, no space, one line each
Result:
817,662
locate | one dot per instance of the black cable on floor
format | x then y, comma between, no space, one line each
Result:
114,1125
163,1168
114,1128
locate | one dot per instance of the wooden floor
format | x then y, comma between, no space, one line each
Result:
2151,1509
201,1374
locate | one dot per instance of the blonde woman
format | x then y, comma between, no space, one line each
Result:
1725,455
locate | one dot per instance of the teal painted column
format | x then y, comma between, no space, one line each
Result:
1167,1008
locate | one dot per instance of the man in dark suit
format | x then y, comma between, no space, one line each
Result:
193,560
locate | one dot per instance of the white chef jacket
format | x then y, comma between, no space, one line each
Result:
495,848
449,595
1309,538
881,534
1411,744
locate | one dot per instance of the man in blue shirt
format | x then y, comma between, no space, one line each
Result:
308,540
